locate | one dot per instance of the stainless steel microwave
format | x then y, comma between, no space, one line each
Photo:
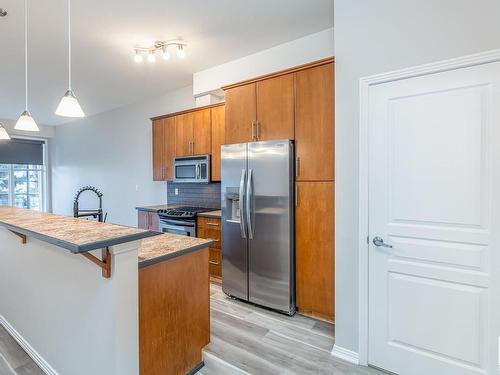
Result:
192,169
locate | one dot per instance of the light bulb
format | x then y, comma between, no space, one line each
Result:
138,57
165,54
26,123
69,106
3,133
180,51
151,57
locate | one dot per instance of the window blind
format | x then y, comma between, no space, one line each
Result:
21,151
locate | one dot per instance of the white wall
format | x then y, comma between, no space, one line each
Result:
373,37
74,320
112,151
297,52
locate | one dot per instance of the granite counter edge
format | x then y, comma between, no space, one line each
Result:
175,254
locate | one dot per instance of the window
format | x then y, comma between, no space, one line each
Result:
21,185
22,174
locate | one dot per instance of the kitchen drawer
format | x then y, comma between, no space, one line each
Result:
209,223
215,262
211,234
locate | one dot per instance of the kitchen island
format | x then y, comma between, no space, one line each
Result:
83,297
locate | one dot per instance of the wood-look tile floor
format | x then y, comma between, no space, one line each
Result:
13,359
249,340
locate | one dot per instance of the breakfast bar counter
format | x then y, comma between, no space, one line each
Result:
147,315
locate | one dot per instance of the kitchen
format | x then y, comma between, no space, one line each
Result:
255,187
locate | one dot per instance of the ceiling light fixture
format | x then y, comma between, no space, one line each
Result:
25,121
160,46
69,106
3,133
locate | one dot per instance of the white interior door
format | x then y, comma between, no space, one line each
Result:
434,196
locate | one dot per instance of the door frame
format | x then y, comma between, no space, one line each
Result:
363,168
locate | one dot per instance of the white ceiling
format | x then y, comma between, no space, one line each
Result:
104,32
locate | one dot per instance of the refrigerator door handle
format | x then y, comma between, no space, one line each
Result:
248,203
242,193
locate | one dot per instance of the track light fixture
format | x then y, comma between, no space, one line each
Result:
163,46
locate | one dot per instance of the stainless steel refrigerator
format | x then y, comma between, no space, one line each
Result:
258,248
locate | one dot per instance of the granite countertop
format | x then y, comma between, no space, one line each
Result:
74,234
216,213
166,246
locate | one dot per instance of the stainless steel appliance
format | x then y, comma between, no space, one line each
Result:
192,169
180,220
258,245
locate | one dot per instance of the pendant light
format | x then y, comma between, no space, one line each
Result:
69,106
25,121
3,133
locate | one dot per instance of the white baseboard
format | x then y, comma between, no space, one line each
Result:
345,354
37,358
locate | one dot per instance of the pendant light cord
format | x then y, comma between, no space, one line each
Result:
69,44
26,53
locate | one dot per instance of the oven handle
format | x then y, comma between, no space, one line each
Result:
177,223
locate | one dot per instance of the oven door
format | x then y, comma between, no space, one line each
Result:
183,228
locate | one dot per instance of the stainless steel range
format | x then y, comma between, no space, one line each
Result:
180,220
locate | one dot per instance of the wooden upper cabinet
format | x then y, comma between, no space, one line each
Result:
169,147
218,116
315,249
275,115
184,134
241,114
314,123
158,150
202,132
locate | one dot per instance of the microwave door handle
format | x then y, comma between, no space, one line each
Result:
242,193
248,197
198,171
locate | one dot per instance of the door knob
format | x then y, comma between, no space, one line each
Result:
379,241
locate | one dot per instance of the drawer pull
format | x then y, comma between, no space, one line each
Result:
213,224
214,263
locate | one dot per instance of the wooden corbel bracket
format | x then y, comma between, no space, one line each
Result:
104,264
20,235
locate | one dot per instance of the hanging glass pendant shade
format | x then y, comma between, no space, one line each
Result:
3,133
69,106
26,121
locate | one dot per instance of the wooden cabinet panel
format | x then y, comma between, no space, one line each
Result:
240,114
143,219
315,249
154,221
314,123
275,108
184,134
169,147
210,228
158,148
202,132
174,314
218,123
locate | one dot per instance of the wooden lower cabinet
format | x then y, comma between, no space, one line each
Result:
315,250
210,228
174,314
148,220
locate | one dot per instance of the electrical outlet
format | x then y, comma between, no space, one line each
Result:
176,191
136,187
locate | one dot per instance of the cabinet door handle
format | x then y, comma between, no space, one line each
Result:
213,224
257,125
214,263
296,195
253,130
192,148
297,167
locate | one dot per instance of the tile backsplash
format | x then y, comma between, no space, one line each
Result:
201,195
